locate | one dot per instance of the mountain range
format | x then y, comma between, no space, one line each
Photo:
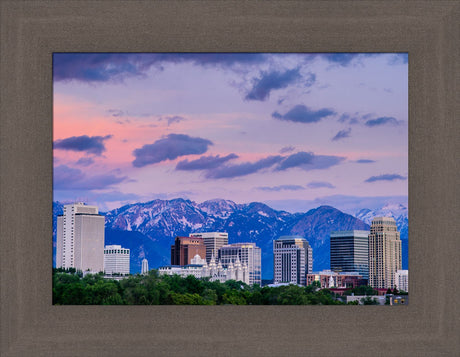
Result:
148,229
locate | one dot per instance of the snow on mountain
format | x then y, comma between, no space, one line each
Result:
149,228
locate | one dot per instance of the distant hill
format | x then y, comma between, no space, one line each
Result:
149,229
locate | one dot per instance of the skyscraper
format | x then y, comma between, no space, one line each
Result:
384,252
350,252
145,266
213,242
116,260
80,238
293,259
246,253
185,248
402,280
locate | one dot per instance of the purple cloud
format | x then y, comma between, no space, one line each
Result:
309,161
286,149
85,161
89,144
320,184
302,114
243,169
170,148
342,134
67,178
204,162
102,67
385,177
281,188
364,161
382,121
272,80
172,119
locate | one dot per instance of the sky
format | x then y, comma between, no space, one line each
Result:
291,130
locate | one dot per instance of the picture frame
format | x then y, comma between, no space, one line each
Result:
32,31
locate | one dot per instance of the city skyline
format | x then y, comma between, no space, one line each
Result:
290,130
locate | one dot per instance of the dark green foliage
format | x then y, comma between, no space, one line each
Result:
69,288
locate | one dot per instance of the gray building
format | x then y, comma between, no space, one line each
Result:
292,260
350,252
80,238
213,242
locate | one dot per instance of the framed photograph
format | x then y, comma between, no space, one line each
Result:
36,38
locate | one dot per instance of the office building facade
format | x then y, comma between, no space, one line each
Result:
402,280
246,253
145,266
116,260
80,238
384,253
213,242
350,252
185,248
293,258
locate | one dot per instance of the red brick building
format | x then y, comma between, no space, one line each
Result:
185,248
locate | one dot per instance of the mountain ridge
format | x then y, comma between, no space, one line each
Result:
149,228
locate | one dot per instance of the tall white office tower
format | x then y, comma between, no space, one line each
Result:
145,266
402,280
246,253
213,241
80,238
384,253
116,260
292,258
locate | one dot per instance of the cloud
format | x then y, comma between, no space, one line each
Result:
103,67
382,121
204,162
89,144
399,58
320,184
281,188
272,80
345,59
67,178
364,161
385,177
301,114
309,161
85,161
170,148
286,149
172,119
115,112
243,169
342,134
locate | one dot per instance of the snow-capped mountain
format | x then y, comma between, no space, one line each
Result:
398,211
400,214
149,229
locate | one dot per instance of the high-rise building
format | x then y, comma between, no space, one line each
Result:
116,260
145,266
213,242
185,248
246,253
350,252
402,280
293,259
384,253
80,238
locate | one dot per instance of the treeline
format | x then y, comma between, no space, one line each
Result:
71,288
